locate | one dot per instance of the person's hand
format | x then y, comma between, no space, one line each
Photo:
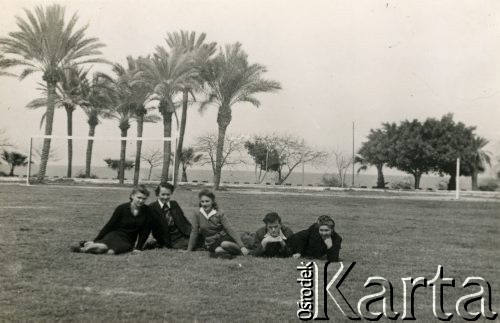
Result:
328,242
296,255
244,251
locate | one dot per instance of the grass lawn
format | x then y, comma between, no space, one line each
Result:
393,238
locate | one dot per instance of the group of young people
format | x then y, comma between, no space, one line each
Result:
132,223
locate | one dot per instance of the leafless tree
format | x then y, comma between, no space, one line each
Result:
293,152
342,164
154,157
231,155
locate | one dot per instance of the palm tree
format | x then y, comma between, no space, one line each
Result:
2,64
68,96
188,157
167,74
14,159
138,92
130,107
45,43
200,52
99,96
480,158
231,79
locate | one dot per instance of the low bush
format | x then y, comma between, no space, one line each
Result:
330,180
491,185
405,184
82,175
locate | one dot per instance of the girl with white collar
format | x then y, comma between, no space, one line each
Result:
213,225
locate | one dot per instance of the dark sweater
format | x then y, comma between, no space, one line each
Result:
133,228
310,244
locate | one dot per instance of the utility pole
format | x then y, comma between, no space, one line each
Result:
457,180
353,154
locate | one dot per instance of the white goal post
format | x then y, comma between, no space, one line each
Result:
173,139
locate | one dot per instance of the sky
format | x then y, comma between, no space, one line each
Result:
338,62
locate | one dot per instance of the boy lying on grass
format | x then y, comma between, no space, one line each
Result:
271,239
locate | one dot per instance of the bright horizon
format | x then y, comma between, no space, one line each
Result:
338,62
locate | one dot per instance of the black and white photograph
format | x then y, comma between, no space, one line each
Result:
249,161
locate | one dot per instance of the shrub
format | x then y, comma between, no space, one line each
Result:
82,175
331,180
443,185
405,184
490,185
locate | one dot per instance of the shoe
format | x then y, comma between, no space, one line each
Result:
82,243
75,249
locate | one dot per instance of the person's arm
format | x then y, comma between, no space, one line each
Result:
111,225
332,253
230,230
145,230
258,248
193,236
298,242
159,229
287,231
180,219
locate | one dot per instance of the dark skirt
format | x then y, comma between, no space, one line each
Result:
214,243
117,241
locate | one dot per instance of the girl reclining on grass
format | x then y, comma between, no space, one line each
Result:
220,237
129,223
318,241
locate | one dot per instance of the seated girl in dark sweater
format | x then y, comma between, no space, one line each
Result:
318,241
128,227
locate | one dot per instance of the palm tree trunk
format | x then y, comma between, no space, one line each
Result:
223,119
69,125
49,120
185,98
167,132
218,156
380,176
90,144
474,179
184,175
123,149
137,167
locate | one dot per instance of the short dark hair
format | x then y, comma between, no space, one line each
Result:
326,220
210,195
139,189
168,186
271,217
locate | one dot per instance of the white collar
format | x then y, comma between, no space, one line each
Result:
213,212
161,204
